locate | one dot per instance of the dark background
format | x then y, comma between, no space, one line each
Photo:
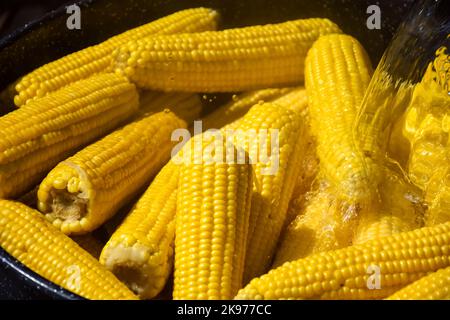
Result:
16,13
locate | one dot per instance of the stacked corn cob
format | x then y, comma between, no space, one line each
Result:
229,60
307,189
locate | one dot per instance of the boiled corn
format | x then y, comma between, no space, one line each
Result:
229,60
26,235
85,190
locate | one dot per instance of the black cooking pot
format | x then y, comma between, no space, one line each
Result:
48,38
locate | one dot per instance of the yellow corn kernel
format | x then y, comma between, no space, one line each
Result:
140,252
295,99
98,58
309,168
35,138
186,106
239,106
89,243
212,221
435,286
87,189
230,60
375,269
270,134
26,235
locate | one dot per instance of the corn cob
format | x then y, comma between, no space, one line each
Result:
98,58
275,169
309,168
85,190
216,61
185,105
297,100
26,235
435,286
239,106
388,100
36,137
212,220
427,126
337,73
140,252
375,269
89,243
425,129
429,139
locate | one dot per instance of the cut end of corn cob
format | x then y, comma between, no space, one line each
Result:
64,196
140,252
26,235
98,58
129,264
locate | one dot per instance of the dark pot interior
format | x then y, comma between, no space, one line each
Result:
46,39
